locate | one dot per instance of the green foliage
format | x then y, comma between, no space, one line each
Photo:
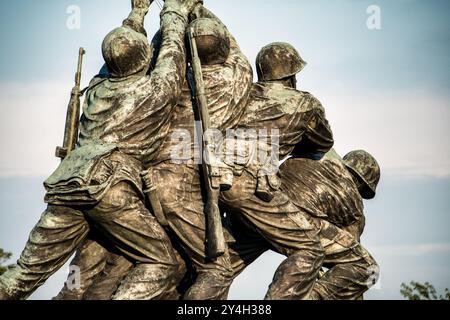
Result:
422,291
4,256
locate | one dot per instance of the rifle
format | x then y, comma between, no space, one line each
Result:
216,245
73,114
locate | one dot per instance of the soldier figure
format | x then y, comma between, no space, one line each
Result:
331,192
256,202
333,188
227,76
99,184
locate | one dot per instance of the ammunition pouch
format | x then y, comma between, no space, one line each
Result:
255,157
151,191
221,174
267,186
221,178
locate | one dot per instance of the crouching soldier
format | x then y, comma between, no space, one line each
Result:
330,191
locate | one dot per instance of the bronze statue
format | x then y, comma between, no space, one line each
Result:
297,121
171,183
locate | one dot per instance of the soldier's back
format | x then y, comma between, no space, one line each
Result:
280,110
324,189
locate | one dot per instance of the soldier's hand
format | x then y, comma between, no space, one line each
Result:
185,6
190,5
141,4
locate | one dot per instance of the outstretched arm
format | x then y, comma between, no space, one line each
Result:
137,15
168,74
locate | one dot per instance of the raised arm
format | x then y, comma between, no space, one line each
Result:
137,15
164,84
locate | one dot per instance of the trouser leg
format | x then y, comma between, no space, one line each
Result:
351,269
121,216
179,189
51,243
288,231
107,282
116,269
100,270
245,246
89,261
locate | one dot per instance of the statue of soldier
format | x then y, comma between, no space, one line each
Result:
227,78
331,192
297,120
98,185
341,186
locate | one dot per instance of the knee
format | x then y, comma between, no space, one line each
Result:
220,275
368,267
306,260
372,271
227,275
178,271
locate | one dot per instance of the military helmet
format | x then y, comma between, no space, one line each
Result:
365,166
126,52
213,42
277,61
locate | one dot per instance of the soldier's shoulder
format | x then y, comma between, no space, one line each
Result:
95,81
305,100
308,96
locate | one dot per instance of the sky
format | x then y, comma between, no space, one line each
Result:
384,90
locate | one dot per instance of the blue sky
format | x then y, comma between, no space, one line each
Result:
386,91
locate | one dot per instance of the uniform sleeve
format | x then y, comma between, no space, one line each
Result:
163,86
356,229
318,136
240,78
243,73
135,20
